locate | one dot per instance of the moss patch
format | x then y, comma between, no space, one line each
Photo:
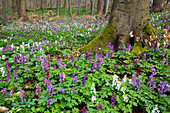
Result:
101,41
149,30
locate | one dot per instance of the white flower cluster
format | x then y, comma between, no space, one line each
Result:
2,71
155,110
93,91
118,85
3,57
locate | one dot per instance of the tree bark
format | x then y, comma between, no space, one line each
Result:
158,5
13,8
70,11
99,6
57,7
65,4
92,6
4,5
126,16
23,10
78,7
35,6
106,4
96,1
50,3
86,5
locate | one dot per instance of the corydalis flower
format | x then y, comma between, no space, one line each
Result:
61,76
38,89
50,89
134,80
138,84
153,70
136,62
6,65
15,73
47,75
163,60
129,47
163,88
22,94
144,57
49,102
62,90
113,99
83,80
99,107
3,91
110,45
72,62
8,77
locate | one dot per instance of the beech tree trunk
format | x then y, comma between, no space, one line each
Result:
158,5
106,4
70,11
86,5
92,6
126,16
50,3
65,4
35,6
78,7
99,6
95,5
13,8
57,7
23,10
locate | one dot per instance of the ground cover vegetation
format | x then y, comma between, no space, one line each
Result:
43,71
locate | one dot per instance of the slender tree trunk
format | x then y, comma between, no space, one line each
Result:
78,7
99,6
86,5
35,6
70,11
65,4
126,16
106,4
50,3
13,9
23,10
92,6
57,7
18,2
158,5
96,1
4,5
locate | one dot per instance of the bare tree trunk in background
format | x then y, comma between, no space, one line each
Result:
23,10
35,6
86,5
92,6
4,5
106,4
65,4
18,2
70,11
78,7
50,3
96,1
99,6
57,7
157,5
44,4
13,9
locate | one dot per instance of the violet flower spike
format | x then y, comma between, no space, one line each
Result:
163,60
49,102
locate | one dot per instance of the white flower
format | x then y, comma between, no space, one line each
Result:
107,84
2,71
1,48
19,109
124,78
3,57
115,79
17,48
155,110
125,98
118,85
123,90
93,98
130,81
93,90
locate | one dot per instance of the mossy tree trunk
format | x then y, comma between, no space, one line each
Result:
126,16
158,5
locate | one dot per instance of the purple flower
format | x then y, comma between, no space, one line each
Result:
99,107
96,55
38,89
92,67
101,61
153,70
6,65
47,75
61,76
3,91
74,79
138,84
27,57
124,49
163,88
144,57
45,64
44,80
72,90
15,73
107,54
129,47
154,86
113,99
133,80
89,61
136,62
34,57
83,80
8,77
111,54
15,60
62,90
26,69
54,66
115,66
83,110
78,67
22,94
110,45
11,92
23,60
163,60
72,62
98,66
164,50
49,102
50,89
73,74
